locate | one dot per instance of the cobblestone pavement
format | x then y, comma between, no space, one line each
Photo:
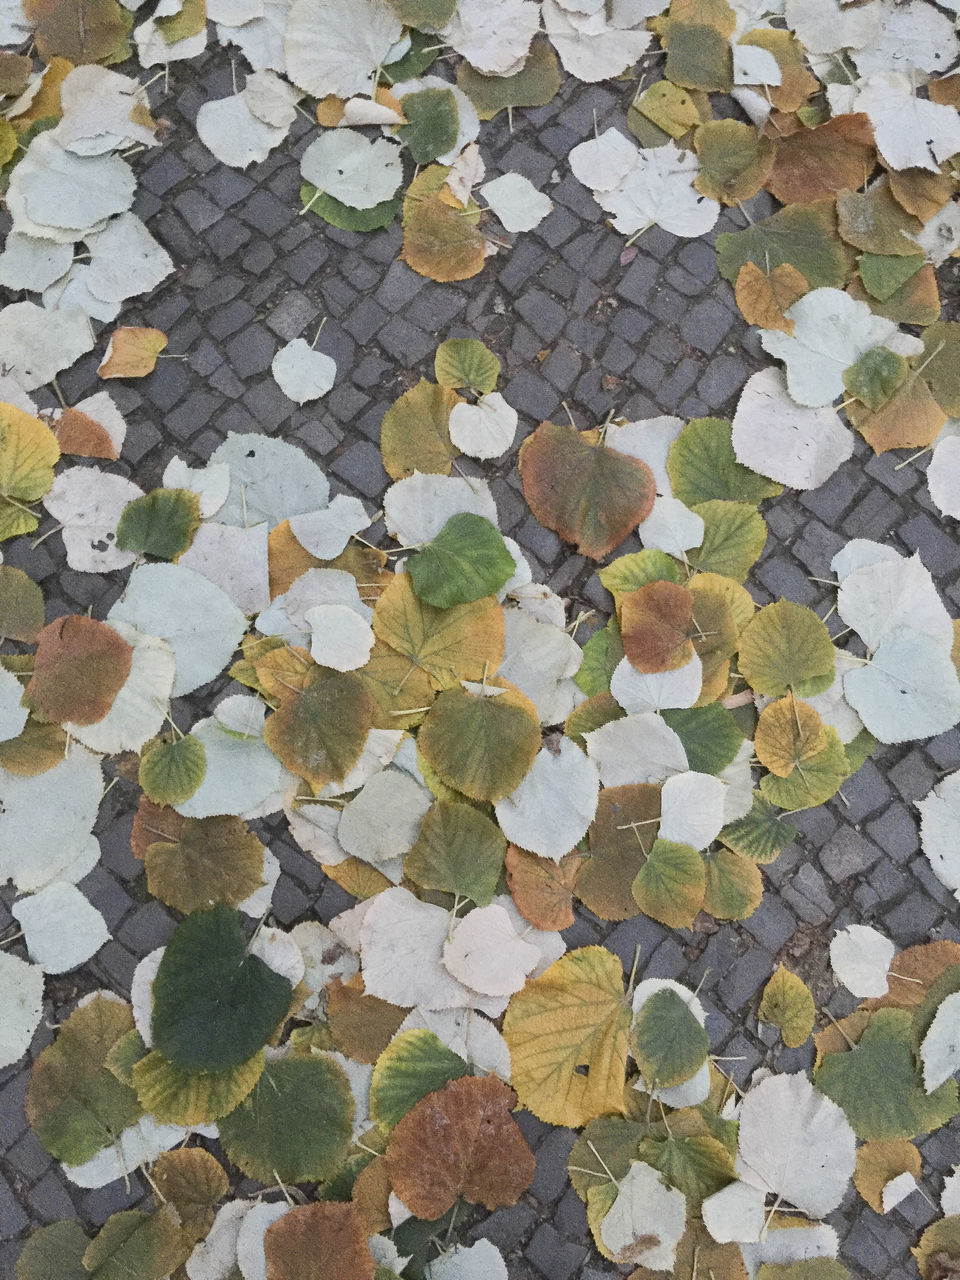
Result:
571,325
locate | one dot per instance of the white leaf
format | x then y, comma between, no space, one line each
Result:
261,40
336,46
326,533
493,35
61,196
201,624
940,1051
137,1145
691,809
831,332
824,26
416,509
468,1034
380,747
242,771
270,99
125,260
340,637
385,1252
914,38
211,483
251,1256
645,1207
153,50
659,191
649,440
383,820
943,476
355,170
30,263
466,171
301,373
548,942
141,994
37,343
480,1261
88,504
21,1006
540,659
897,1189
908,690
257,904
797,1143
73,291
753,65
735,1213
940,830
637,692
860,957
13,714
228,128
739,781
485,953
593,50
324,957
888,594
60,926
784,1244
485,429
269,480
940,237
215,1257
911,132
859,553
234,560
637,748
279,952
287,615
671,527
950,1195
516,202
603,162
555,803
234,13
41,842
96,104
139,709
784,441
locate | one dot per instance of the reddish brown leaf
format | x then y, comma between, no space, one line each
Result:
656,624
79,668
813,164
589,494
361,1026
322,1241
543,889
82,436
460,1141
153,822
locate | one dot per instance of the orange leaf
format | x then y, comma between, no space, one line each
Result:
656,622
79,668
326,1240
764,297
82,436
788,733
542,889
460,1141
132,353
910,419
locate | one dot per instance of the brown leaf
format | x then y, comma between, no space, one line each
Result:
813,164
326,1240
915,302
788,733
656,623
82,436
945,91
798,83
621,835
132,353
460,1141
543,889
361,1025
878,1162
587,493
913,972
910,419
764,297
873,221
192,1180
371,1195
215,859
441,242
84,31
79,668
920,192
153,822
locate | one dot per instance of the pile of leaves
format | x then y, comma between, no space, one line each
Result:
425,719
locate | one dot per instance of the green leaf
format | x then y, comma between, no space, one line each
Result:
940,362
468,559
54,1251
170,772
786,648
214,1005
459,850
480,745
884,274
599,709
667,1041
427,15
709,734
628,573
534,85
601,654
698,57
175,1096
698,1165
808,1269
295,1125
133,1245
733,538
607,1143
671,883
344,215
805,235
734,885
161,523
413,1064
423,51
433,123
21,605
702,466
859,750
759,834
879,1085
875,376
813,782
466,362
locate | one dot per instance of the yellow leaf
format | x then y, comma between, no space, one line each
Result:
878,1162
764,297
173,1095
462,643
415,435
788,733
788,1004
132,352
574,1015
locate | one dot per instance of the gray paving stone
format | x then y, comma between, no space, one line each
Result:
848,854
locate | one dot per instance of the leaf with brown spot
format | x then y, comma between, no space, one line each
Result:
319,733
212,860
763,297
192,1180
326,1240
910,419
361,1025
83,437
132,352
656,623
415,433
543,889
460,1141
622,834
735,161
79,668
813,164
788,733
587,493
878,1162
